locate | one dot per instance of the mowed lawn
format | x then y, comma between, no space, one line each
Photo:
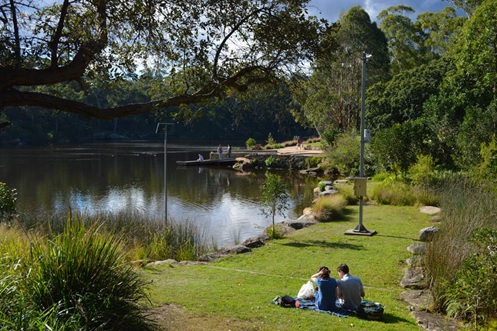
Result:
235,293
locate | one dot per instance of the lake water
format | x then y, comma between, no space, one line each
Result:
129,177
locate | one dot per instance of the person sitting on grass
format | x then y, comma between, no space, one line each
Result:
325,295
350,289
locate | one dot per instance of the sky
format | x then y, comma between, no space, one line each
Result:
330,9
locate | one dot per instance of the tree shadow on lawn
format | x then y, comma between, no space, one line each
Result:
322,243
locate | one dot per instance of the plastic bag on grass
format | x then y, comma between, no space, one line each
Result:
306,291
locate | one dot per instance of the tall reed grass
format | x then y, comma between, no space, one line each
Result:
466,207
143,239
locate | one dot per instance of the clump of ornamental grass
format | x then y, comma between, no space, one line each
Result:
76,280
329,208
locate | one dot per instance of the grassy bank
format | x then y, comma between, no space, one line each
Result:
235,293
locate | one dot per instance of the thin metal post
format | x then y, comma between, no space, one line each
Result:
361,229
165,174
165,165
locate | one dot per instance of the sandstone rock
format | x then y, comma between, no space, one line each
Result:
435,322
416,261
417,249
430,210
418,299
255,242
414,279
427,234
300,224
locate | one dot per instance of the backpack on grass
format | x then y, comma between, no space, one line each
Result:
370,310
285,301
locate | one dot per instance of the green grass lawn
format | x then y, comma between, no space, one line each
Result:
235,293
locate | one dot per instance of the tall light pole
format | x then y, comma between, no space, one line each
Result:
360,183
165,164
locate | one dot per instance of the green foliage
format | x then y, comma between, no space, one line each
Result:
321,186
472,293
459,257
396,148
347,191
270,140
270,161
405,39
396,193
274,197
250,143
344,154
330,98
312,162
423,171
78,280
329,208
8,199
488,166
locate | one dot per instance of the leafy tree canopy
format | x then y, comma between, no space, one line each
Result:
199,49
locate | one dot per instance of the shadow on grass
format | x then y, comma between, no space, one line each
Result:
322,243
392,319
397,237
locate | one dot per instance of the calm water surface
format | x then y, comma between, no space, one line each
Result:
129,178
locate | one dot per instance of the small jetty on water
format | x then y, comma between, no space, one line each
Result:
213,160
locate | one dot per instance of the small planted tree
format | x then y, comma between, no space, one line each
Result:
274,198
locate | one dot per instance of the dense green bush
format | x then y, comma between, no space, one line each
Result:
343,155
250,143
472,293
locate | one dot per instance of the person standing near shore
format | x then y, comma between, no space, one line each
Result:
228,152
220,151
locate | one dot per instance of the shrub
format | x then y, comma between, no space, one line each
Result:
347,191
422,173
270,140
329,208
393,193
313,162
250,143
344,154
270,161
473,292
